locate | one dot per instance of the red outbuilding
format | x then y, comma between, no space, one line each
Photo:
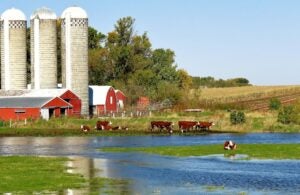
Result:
121,98
65,94
20,108
102,99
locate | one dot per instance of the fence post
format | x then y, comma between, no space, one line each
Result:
10,123
25,121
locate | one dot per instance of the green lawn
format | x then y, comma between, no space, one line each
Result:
260,151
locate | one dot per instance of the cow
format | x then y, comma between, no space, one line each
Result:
162,125
85,128
102,125
187,125
120,128
204,125
229,145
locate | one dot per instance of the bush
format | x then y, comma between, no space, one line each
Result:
274,104
237,117
286,115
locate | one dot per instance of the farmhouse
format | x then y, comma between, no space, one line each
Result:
103,99
20,108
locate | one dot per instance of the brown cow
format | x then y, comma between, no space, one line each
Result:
187,125
230,145
102,125
204,125
120,128
162,125
85,128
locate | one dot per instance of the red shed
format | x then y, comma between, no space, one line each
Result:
102,99
120,98
20,108
143,103
65,94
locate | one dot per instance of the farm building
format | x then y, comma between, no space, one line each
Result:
102,99
143,103
121,98
69,99
20,108
65,94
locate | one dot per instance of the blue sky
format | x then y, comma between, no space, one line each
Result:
255,39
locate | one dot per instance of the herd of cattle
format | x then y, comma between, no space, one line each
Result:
184,126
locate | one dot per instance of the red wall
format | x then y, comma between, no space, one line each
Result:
9,113
74,100
111,106
120,96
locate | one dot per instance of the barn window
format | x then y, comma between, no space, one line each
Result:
111,100
19,111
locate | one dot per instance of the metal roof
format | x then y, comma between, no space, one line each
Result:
43,13
74,12
45,93
24,102
98,94
13,14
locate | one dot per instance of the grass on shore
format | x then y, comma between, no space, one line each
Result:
259,151
36,174
255,122
48,175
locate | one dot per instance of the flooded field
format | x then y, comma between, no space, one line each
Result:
154,174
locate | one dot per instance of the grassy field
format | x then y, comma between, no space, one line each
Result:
248,97
258,151
255,122
48,175
32,174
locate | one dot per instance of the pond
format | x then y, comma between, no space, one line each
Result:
154,174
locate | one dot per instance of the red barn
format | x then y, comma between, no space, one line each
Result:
143,103
120,98
20,108
65,94
102,99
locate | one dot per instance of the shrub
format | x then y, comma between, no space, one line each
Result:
237,117
286,115
274,104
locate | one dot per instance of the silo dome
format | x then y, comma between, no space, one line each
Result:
75,12
13,14
44,13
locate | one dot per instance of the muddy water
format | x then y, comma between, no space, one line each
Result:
153,174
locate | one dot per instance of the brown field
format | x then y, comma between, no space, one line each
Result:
249,97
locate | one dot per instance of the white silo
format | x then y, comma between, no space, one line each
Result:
13,50
43,46
74,48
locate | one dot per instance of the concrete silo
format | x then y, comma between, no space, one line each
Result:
74,48
13,50
43,46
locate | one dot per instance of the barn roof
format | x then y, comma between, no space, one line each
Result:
98,94
24,102
45,93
